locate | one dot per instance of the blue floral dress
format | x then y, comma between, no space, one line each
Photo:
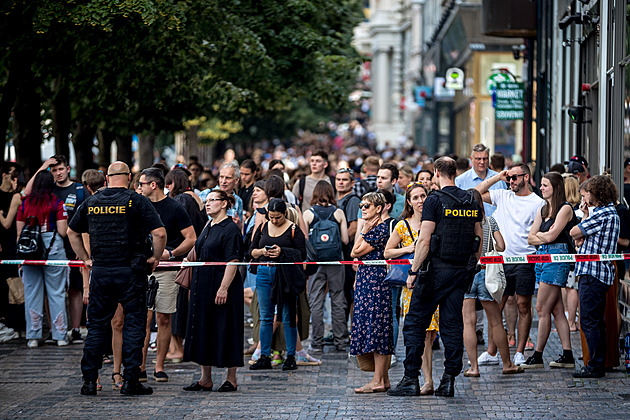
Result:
372,329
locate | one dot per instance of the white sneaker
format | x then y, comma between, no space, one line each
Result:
519,359
8,336
6,330
62,343
486,359
32,344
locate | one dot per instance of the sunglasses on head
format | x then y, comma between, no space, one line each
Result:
514,177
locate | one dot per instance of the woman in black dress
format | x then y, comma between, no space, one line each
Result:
214,336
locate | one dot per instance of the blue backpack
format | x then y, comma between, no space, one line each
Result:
325,235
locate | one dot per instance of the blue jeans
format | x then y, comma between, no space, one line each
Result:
396,291
555,274
478,289
53,280
264,279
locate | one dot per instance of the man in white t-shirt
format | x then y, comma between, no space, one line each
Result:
515,213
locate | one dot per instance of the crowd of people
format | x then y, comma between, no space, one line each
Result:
443,213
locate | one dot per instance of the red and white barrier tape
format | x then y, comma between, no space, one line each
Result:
525,259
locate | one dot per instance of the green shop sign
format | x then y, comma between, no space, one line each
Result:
509,101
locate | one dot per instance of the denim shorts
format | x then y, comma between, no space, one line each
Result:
555,274
478,289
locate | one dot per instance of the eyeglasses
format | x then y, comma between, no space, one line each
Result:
346,171
118,173
365,206
143,183
514,177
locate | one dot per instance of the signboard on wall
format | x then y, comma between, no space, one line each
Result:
454,79
509,101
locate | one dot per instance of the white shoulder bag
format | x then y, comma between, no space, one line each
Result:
495,276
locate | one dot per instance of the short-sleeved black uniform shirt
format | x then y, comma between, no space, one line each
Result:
142,214
432,208
175,219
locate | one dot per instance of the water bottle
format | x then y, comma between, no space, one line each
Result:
627,348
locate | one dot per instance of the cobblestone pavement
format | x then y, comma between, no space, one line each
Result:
45,383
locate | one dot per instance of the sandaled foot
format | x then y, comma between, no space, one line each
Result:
513,370
117,381
427,389
469,374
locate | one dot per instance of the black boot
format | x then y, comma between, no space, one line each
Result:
135,388
289,363
407,387
447,386
264,362
88,388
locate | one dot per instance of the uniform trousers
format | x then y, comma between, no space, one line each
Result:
110,286
448,286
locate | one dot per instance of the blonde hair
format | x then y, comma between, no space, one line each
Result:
571,189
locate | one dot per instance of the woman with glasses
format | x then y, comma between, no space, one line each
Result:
214,336
372,330
550,234
403,241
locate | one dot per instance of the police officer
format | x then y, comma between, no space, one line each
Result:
118,221
449,239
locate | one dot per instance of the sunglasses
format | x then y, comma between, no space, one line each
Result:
514,177
346,171
365,206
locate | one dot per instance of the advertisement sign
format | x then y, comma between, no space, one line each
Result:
509,101
454,79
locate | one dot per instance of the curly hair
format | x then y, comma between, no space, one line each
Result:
602,189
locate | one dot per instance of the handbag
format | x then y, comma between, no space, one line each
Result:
495,276
398,273
184,275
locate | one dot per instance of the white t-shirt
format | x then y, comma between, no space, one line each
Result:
515,216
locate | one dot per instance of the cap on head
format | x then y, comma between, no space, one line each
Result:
579,159
575,167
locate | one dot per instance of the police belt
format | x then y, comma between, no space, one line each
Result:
437,263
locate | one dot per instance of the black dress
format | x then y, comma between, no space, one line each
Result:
214,336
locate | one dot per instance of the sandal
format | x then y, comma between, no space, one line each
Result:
107,360
277,359
99,386
116,385
519,369
471,375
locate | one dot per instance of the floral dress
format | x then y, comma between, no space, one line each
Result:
372,329
407,239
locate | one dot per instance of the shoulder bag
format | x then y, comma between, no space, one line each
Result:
184,275
398,273
495,276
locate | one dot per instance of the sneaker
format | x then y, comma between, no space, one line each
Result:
330,338
136,388
160,376
8,336
6,330
89,388
49,339
531,363
152,347
264,362
486,359
563,362
289,363
32,344
142,376
585,372
75,337
315,349
62,343
519,359
393,361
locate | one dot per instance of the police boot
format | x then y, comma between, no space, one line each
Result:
88,388
447,386
135,388
407,387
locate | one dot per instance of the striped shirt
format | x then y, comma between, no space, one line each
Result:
601,231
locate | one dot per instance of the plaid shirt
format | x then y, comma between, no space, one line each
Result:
601,232
360,190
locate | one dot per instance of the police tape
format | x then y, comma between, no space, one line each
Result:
520,259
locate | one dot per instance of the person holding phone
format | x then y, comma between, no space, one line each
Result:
278,237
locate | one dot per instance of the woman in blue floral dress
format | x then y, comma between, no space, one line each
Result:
372,317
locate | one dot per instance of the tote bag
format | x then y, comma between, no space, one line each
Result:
495,276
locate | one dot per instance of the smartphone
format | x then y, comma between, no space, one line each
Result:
268,247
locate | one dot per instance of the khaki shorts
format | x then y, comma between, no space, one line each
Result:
166,298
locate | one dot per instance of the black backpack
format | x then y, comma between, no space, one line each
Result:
31,246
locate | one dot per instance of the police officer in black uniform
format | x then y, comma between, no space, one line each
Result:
449,238
118,221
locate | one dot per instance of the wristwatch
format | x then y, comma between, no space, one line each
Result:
171,257
412,273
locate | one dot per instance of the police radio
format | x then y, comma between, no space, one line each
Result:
152,288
